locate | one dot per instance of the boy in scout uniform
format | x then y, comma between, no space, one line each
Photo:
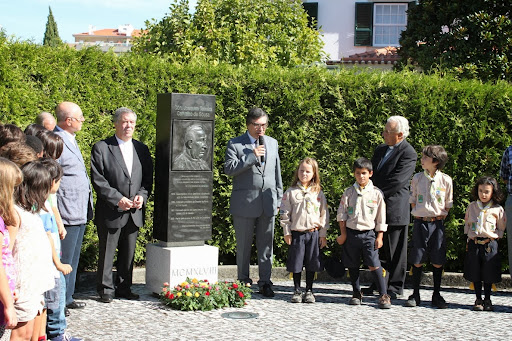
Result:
362,220
431,198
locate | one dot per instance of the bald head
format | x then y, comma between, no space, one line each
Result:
46,120
69,117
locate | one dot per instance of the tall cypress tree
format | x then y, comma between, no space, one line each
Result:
51,35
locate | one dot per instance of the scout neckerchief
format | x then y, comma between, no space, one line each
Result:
432,184
360,192
307,198
481,216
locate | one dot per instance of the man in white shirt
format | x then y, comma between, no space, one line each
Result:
122,176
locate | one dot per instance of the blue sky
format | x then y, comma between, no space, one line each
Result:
26,19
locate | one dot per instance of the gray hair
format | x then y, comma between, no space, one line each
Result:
42,117
119,112
192,130
402,124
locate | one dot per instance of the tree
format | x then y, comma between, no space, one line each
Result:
51,35
235,31
471,38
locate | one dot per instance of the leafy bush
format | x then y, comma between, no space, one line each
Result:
334,116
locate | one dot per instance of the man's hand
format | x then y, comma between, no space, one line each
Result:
125,204
138,201
323,242
288,239
259,151
378,243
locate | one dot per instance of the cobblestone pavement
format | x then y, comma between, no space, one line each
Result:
330,318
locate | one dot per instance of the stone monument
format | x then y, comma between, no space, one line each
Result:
183,192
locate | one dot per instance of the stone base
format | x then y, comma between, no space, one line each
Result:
175,264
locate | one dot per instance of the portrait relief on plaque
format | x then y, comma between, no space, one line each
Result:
192,144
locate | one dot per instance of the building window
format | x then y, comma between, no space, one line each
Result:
388,23
311,9
380,24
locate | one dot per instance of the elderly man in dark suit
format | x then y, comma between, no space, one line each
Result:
257,191
122,176
393,166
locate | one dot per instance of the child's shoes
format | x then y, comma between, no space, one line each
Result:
413,300
488,305
308,297
385,301
438,301
297,297
479,305
356,299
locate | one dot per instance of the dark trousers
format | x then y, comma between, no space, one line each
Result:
70,247
125,240
245,229
394,257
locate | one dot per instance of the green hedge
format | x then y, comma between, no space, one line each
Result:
334,116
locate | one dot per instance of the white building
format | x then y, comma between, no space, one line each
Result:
360,31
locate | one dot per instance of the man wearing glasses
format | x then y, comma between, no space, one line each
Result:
74,196
393,166
252,159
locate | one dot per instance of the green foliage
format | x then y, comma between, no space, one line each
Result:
238,32
332,116
51,35
472,39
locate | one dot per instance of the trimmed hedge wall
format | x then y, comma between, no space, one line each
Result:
334,116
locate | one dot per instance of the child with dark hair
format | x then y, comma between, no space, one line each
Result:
362,220
31,251
33,129
305,220
485,222
431,199
53,144
36,144
11,133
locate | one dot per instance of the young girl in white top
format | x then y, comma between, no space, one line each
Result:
304,219
32,252
484,225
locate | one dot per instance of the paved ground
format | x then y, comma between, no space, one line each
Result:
331,318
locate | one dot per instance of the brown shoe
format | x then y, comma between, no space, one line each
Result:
385,302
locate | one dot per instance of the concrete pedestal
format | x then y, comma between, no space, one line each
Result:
175,264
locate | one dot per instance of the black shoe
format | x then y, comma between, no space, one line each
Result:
106,298
413,301
439,302
66,312
266,290
129,295
395,295
76,305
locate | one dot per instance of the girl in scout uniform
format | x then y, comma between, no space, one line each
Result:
304,219
485,222
431,198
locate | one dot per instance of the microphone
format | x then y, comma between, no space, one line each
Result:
261,143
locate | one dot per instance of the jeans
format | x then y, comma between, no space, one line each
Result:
71,246
56,318
508,212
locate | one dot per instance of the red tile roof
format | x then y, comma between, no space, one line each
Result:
110,32
383,55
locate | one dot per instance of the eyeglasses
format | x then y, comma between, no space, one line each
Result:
80,119
262,126
388,132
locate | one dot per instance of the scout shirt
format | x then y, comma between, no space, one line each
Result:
363,209
492,216
302,209
433,196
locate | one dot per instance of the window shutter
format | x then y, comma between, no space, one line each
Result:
364,24
311,9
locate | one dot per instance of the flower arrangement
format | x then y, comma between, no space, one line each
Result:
202,295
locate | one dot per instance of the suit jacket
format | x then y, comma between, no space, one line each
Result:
393,179
74,197
257,190
112,182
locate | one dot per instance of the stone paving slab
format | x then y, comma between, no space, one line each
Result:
331,318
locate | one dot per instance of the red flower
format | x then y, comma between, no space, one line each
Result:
235,285
207,293
241,294
171,297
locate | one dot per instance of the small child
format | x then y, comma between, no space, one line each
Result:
485,223
10,177
31,252
430,199
305,220
362,220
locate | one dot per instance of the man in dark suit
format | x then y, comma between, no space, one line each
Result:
393,166
256,196
122,176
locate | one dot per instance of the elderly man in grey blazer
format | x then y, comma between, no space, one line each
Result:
252,159
74,197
